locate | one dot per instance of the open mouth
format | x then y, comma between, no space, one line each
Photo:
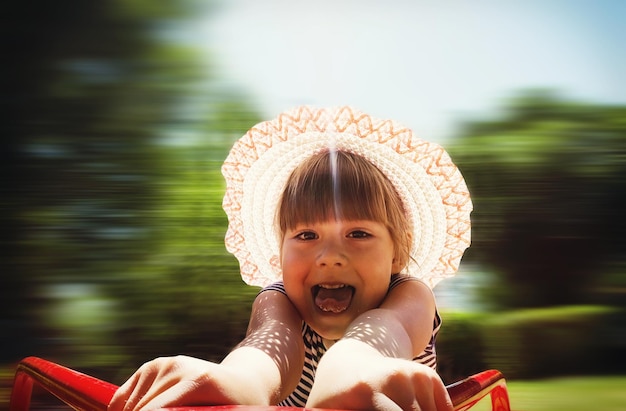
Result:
333,298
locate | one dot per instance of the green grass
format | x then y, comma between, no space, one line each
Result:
566,394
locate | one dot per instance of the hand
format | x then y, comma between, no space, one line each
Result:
362,379
173,381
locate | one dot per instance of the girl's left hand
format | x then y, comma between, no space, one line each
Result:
364,379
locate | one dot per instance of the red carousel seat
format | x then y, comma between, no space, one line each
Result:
84,392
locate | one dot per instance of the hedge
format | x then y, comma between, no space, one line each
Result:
533,343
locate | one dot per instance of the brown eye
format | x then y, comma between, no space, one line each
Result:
306,236
358,234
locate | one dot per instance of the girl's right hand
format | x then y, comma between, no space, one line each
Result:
256,372
174,381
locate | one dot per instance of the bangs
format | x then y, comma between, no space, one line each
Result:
338,185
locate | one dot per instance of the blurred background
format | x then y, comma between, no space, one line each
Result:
118,115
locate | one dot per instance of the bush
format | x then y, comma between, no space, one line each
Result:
533,343
460,346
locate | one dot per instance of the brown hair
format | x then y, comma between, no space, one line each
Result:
335,184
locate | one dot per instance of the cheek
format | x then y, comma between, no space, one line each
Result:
286,259
292,263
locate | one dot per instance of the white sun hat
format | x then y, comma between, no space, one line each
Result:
257,168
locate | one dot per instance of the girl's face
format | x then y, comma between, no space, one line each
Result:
335,270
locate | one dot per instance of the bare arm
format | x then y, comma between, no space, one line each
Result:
402,326
371,367
275,330
258,371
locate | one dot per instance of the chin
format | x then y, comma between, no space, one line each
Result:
331,328
331,335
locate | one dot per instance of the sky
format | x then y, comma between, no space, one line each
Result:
427,64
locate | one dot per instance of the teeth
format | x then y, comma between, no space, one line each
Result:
332,286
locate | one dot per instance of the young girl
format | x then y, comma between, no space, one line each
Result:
347,222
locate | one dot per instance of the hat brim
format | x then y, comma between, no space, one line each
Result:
430,185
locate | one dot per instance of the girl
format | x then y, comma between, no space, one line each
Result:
346,222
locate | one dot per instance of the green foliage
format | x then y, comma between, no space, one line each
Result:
547,181
111,220
533,343
460,346
188,298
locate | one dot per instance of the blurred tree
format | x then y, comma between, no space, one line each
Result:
188,297
548,180
93,93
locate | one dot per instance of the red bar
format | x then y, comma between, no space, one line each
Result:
83,392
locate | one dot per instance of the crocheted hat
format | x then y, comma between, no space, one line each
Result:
257,168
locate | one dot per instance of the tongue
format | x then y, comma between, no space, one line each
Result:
334,300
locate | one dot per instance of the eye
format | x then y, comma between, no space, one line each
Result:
358,234
306,236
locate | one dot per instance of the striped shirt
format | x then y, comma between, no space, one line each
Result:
314,349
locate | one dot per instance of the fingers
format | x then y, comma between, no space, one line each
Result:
432,396
416,387
172,381
144,389
402,385
383,402
442,398
430,391
141,387
120,398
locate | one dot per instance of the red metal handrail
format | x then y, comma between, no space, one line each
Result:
80,391
84,392
466,393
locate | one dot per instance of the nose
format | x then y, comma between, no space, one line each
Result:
331,255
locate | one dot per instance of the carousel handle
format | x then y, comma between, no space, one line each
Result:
86,393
